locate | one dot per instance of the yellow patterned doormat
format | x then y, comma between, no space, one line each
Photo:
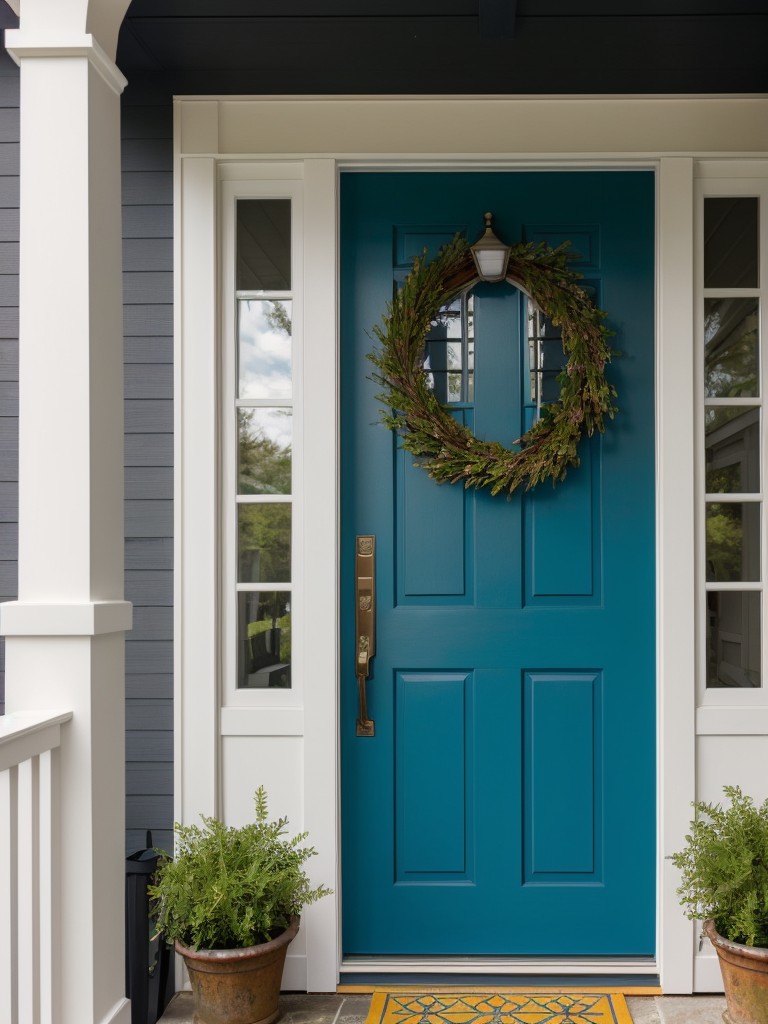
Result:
506,1007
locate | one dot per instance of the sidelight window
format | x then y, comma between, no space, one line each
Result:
732,389
261,409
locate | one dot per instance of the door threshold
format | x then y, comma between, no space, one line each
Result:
624,973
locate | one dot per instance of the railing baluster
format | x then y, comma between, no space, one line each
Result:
9,1007
28,927
50,858
30,865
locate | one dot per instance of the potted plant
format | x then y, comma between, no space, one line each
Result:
230,900
725,883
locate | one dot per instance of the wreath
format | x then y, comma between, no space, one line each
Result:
448,450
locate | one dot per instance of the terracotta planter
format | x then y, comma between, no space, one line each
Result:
238,986
745,978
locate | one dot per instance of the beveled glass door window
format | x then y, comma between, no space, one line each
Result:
733,389
263,409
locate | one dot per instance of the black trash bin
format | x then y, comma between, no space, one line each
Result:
149,982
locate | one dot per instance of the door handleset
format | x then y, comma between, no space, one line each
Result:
365,624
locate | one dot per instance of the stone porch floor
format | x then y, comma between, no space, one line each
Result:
300,1008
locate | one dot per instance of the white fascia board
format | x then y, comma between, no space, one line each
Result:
534,128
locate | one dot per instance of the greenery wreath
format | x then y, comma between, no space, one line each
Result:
447,449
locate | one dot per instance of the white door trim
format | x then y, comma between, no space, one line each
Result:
675,565
731,723
238,137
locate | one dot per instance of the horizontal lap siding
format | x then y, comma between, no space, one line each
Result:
9,339
148,328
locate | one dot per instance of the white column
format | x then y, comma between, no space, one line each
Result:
65,646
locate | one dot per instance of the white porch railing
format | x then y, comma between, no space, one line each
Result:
29,866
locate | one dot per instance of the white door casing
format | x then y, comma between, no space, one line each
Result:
288,739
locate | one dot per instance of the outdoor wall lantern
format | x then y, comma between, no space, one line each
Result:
490,254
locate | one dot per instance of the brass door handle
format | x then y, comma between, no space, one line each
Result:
365,624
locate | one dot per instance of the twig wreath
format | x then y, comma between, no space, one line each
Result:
447,449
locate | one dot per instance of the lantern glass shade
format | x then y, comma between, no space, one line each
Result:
490,254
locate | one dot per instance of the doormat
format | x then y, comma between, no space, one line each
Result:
553,1006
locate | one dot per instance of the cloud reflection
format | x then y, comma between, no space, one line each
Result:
264,348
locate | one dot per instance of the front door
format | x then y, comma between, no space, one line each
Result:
506,803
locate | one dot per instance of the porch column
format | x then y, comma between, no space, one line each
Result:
65,646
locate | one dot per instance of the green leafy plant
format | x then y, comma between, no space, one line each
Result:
725,868
228,888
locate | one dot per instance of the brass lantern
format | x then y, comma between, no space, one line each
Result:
490,254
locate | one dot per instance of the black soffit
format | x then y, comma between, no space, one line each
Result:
447,46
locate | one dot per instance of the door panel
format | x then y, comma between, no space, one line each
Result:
506,804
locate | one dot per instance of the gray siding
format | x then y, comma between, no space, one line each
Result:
9,338
148,329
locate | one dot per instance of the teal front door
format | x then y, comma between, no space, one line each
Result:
506,804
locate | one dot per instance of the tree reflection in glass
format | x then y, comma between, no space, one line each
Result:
732,435
264,437
733,541
731,335
264,543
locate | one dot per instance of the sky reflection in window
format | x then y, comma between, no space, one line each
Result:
264,348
